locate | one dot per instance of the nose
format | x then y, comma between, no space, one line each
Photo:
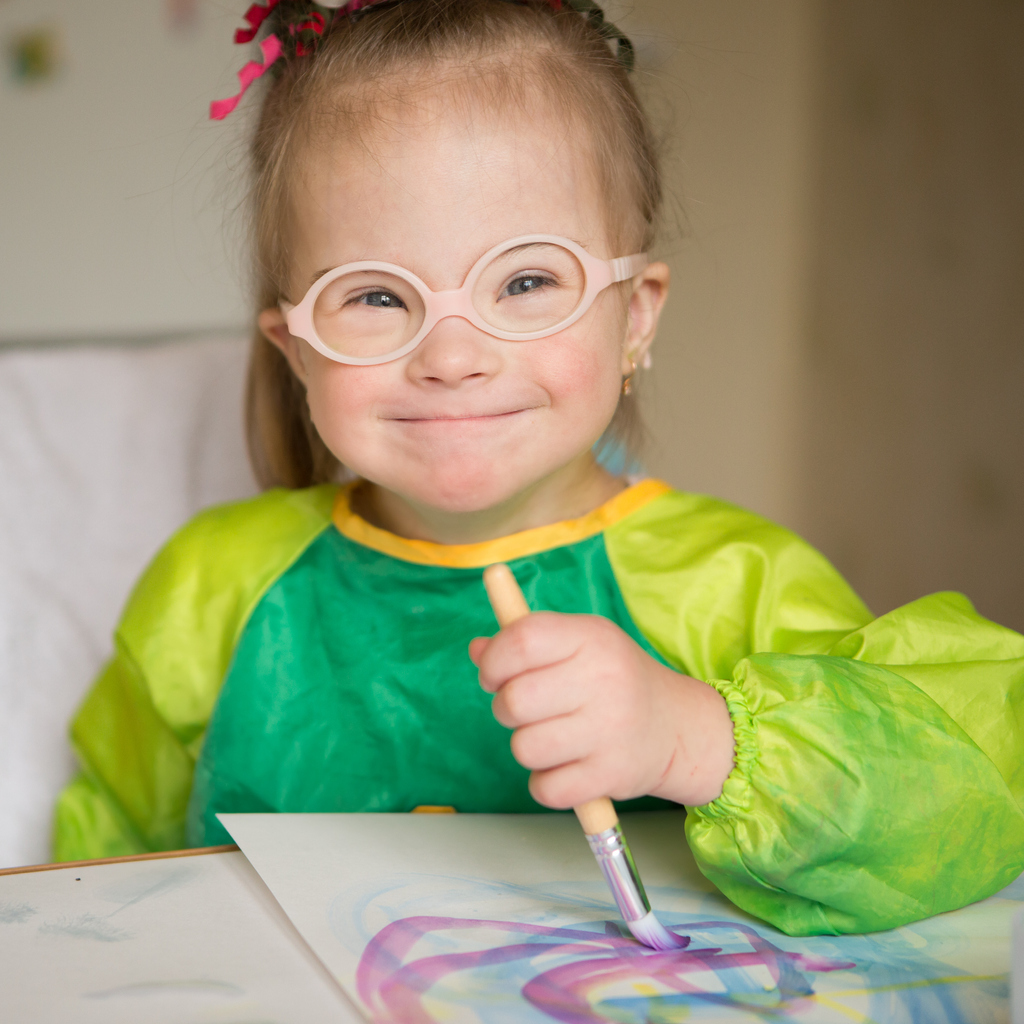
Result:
454,354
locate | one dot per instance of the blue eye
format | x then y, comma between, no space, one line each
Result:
526,284
381,300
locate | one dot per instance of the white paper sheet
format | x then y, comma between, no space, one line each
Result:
190,940
497,918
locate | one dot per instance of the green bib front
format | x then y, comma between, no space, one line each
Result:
351,687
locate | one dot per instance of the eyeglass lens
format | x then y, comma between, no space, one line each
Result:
525,289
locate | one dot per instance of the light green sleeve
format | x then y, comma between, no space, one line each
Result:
879,773
140,728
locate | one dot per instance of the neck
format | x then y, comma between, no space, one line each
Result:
568,493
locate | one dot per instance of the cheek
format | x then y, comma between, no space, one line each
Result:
582,371
340,400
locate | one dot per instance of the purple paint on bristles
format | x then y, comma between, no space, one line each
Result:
619,869
651,932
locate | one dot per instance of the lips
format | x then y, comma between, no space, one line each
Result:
466,417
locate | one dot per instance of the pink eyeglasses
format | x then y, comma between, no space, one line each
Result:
524,289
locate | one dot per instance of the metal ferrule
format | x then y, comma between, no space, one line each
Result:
612,853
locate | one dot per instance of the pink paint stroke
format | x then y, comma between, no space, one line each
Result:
394,989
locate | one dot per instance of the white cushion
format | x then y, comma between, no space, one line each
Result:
104,451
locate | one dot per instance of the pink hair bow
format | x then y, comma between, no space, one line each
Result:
271,48
256,15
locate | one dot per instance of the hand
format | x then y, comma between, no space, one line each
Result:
594,715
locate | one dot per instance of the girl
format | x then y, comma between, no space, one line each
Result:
451,200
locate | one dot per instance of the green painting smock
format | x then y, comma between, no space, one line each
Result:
282,654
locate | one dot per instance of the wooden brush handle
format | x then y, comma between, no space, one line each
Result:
597,815
510,606
504,594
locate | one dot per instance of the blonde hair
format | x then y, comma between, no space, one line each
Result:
495,47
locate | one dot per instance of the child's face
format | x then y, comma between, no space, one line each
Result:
466,421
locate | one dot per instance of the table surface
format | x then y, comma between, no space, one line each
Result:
188,938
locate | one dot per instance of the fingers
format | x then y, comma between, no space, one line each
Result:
588,708
572,763
541,639
572,784
551,743
535,696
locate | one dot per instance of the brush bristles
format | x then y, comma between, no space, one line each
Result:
651,932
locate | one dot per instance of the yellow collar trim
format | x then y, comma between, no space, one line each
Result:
503,549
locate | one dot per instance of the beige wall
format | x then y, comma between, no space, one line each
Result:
913,442
844,347
113,184
730,83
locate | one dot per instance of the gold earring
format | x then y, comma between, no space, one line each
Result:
627,381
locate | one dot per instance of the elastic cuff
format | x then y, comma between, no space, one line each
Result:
735,796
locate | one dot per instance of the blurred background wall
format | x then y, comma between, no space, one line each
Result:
112,185
911,450
843,348
730,88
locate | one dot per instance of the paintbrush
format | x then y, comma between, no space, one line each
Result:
598,817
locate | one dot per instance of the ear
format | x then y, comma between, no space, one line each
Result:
275,329
650,290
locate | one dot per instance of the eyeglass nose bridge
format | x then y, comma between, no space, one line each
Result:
442,305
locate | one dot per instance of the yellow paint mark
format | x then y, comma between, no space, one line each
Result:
847,1011
927,983
860,1018
432,809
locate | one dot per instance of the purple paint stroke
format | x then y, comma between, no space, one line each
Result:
565,992
393,990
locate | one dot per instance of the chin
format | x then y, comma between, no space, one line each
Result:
468,487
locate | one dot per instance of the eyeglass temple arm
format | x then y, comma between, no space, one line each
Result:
626,267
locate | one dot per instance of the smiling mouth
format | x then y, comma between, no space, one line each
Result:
470,418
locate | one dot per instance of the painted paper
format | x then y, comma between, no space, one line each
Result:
492,918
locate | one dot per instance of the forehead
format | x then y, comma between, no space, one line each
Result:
437,179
